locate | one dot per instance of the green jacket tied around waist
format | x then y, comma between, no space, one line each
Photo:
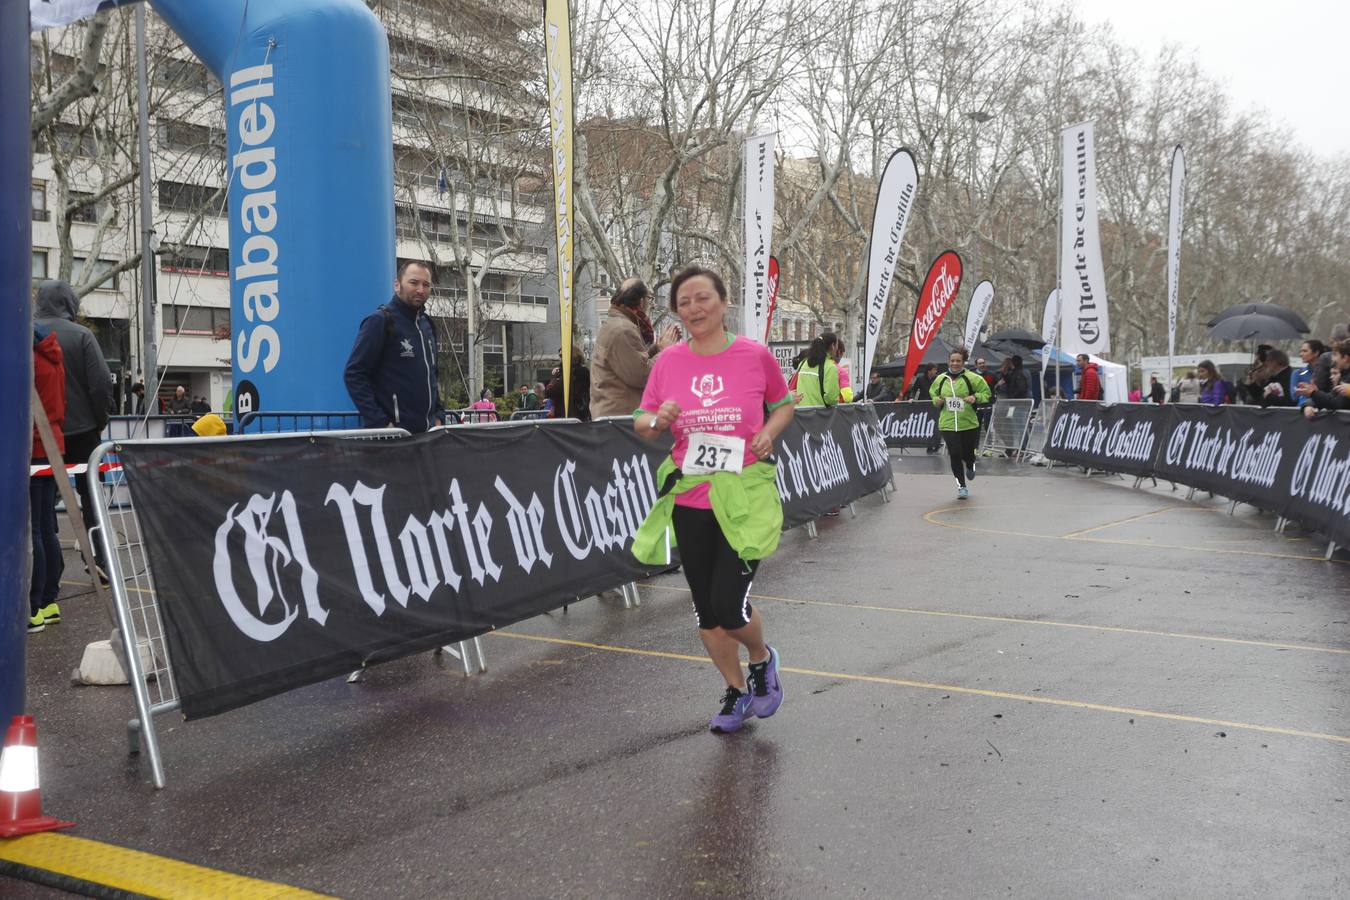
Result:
747,508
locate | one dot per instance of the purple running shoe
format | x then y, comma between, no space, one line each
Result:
735,710
766,690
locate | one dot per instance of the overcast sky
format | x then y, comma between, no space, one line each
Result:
1289,57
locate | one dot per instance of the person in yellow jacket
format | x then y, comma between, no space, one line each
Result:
724,400
817,378
957,390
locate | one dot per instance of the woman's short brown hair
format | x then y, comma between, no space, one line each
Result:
694,272
959,351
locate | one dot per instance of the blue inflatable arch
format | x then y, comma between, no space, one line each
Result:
311,197
311,208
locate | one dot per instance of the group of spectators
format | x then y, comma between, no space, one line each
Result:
1319,381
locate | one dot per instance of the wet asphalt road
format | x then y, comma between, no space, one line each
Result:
951,729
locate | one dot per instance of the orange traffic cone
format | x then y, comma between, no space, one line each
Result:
20,801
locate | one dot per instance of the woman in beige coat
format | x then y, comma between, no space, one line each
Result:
620,359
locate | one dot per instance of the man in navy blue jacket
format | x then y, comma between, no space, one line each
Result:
391,373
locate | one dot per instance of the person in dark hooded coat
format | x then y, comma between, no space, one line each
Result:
89,383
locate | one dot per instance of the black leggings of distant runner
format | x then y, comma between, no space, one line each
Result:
718,578
961,448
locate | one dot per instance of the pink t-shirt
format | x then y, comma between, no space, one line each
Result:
724,393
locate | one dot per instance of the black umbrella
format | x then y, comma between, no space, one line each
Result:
1262,309
1008,348
1018,336
1255,326
937,353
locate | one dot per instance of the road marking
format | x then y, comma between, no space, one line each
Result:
929,517
1124,521
954,689
79,864
1115,629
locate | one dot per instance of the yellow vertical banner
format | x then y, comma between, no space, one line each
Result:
558,55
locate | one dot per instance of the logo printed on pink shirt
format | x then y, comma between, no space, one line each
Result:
703,389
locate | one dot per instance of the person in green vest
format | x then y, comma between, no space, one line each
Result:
816,381
957,390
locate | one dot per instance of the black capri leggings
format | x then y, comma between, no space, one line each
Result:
961,446
718,578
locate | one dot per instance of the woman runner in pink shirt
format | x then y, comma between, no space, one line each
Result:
712,393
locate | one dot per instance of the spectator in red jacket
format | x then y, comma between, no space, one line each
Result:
49,374
1091,386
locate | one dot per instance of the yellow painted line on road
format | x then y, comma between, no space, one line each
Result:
1125,521
1114,629
955,689
75,864
930,518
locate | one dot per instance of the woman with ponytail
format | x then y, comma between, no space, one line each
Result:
818,375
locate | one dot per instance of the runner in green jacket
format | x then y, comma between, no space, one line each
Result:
957,390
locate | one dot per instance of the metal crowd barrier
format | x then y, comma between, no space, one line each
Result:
275,422
472,416
129,428
1008,424
135,603
1037,431
528,414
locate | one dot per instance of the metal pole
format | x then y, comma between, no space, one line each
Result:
149,350
16,353
1059,262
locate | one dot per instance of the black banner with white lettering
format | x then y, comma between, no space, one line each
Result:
1274,459
829,456
1119,438
912,423
283,562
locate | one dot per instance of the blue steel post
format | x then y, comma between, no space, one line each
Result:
16,353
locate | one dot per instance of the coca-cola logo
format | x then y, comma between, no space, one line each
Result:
939,290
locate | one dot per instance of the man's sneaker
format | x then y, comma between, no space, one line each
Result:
970,472
962,492
36,623
735,710
51,613
766,690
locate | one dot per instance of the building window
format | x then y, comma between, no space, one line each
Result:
191,198
194,260
204,320
178,135
100,268
39,202
81,210
178,74
39,265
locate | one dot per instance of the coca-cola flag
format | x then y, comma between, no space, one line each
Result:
1174,251
773,296
895,198
980,301
936,298
1082,284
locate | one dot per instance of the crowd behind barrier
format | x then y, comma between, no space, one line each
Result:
1277,459
282,559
